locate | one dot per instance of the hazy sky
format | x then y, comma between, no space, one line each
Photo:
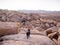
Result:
53,5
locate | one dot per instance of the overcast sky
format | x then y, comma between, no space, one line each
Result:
53,5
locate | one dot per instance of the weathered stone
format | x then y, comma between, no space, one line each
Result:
9,28
54,29
53,35
59,40
33,40
56,41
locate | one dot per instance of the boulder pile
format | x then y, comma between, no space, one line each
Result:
45,28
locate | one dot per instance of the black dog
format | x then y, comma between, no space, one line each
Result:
28,33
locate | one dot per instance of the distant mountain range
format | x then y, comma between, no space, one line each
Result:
38,11
43,12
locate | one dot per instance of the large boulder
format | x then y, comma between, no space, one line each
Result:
59,40
7,28
21,39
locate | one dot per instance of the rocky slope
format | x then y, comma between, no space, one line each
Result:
44,27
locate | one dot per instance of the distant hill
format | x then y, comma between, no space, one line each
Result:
40,11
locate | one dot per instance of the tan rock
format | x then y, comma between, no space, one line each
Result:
54,29
33,40
9,28
48,31
59,30
58,24
59,40
56,41
53,35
